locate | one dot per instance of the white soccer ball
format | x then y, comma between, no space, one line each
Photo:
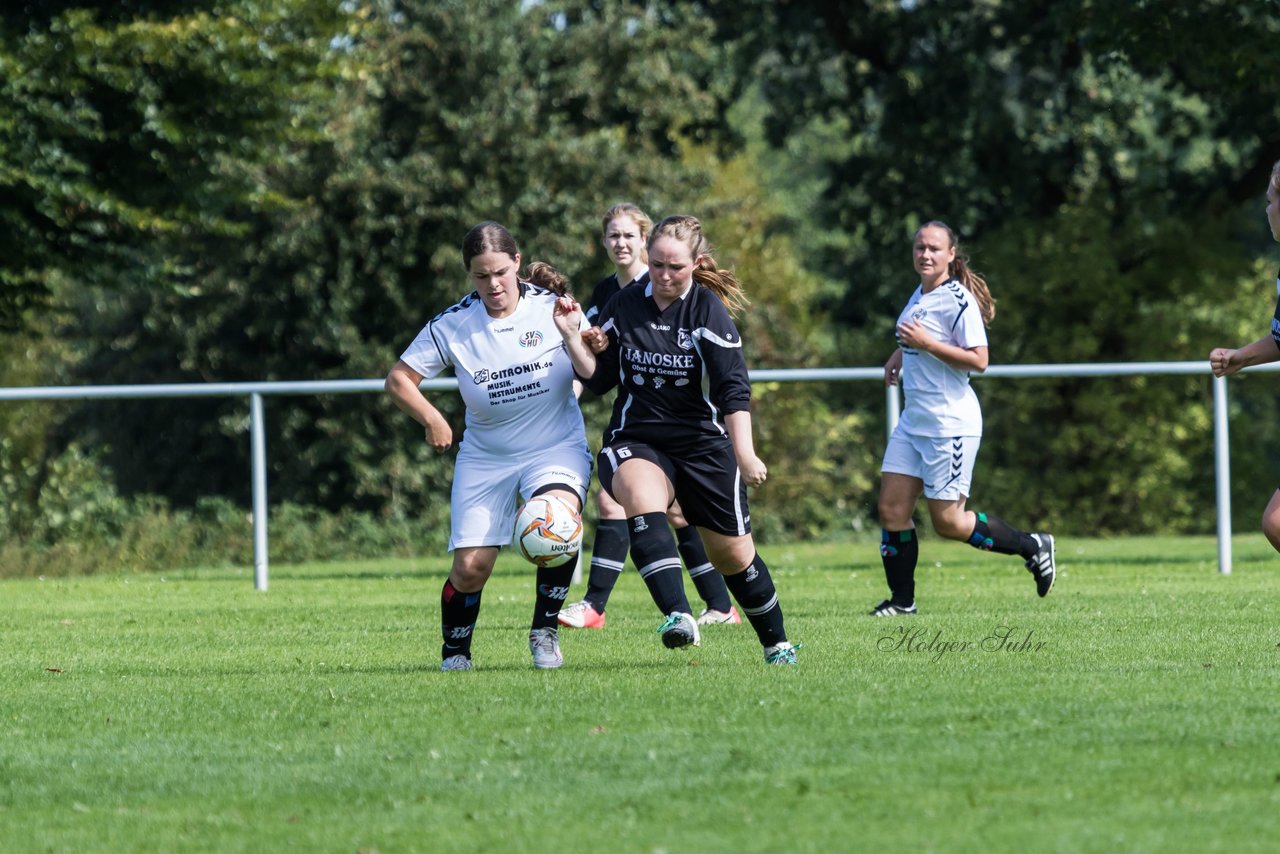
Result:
548,531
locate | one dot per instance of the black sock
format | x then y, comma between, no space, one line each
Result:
458,614
653,551
706,578
754,590
991,533
608,553
898,552
551,590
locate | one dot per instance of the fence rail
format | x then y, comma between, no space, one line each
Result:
255,391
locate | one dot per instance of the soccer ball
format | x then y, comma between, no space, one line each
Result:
548,531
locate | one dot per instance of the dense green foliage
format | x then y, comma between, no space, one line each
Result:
187,712
276,189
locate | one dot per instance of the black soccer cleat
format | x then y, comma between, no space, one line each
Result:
1042,565
889,608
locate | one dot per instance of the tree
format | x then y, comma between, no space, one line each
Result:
449,113
1094,156
131,130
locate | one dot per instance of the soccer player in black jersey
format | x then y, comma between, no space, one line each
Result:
681,427
1225,362
625,229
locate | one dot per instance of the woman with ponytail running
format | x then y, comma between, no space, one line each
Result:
942,339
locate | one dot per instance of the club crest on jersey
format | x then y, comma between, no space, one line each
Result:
684,339
532,338
919,314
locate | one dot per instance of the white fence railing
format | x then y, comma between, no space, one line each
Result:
255,391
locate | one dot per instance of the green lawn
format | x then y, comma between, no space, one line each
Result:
1135,709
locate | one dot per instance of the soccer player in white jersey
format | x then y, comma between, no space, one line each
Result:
942,338
1226,361
625,229
681,427
524,433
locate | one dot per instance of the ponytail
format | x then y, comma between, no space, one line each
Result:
544,275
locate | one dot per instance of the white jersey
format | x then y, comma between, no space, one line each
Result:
939,401
514,373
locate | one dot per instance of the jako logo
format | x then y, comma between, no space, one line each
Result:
531,339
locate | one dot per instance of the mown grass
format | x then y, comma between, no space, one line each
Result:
1133,709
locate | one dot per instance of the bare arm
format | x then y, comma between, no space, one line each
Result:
915,336
752,467
893,368
568,319
402,385
1225,361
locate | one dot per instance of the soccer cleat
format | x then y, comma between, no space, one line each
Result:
581,615
1042,565
711,617
783,653
455,662
889,608
679,630
545,646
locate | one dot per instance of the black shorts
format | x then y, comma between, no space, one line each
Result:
707,484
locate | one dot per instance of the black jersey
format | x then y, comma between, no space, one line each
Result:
1275,321
605,290
678,372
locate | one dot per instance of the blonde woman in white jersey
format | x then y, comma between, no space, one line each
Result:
942,339
524,432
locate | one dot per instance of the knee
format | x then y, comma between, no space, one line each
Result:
952,526
1271,525
894,516
470,575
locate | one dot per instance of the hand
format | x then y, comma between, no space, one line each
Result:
596,339
753,470
567,315
1220,362
439,435
893,368
915,336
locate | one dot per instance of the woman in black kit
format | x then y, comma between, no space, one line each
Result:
625,231
681,427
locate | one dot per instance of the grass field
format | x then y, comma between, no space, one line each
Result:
1135,709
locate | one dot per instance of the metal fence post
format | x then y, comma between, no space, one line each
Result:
892,408
1222,472
258,451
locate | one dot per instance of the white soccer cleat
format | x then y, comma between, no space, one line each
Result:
581,615
455,662
679,630
545,646
783,653
712,617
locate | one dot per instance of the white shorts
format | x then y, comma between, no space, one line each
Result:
944,464
487,490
